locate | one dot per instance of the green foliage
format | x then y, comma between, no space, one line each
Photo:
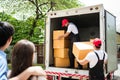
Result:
22,29
23,9
66,4
20,9
22,13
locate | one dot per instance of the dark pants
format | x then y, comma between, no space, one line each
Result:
71,55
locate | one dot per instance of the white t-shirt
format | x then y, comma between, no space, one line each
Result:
92,57
72,28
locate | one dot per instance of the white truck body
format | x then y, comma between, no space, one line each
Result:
93,21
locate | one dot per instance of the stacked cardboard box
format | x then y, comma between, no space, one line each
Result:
62,43
80,50
61,52
61,58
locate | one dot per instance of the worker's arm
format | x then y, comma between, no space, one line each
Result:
105,61
106,58
35,70
82,62
64,36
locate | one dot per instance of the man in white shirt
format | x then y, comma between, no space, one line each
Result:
72,33
96,60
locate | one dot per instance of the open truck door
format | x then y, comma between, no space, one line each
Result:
110,40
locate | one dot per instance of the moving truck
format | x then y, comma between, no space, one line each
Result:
92,22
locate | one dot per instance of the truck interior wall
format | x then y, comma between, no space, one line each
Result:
87,24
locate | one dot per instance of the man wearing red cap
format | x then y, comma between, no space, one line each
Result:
96,60
72,32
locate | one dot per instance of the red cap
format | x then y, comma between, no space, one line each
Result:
97,42
64,21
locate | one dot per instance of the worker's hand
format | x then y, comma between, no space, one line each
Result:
37,71
77,59
59,37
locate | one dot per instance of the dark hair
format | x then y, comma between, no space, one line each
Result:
22,56
6,31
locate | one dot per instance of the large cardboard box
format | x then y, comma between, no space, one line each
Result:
57,33
60,43
81,49
62,62
61,52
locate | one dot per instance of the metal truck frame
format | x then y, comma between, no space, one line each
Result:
93,21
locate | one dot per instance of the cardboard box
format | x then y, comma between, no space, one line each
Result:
62,62
58,33
60,43
61,53
81,49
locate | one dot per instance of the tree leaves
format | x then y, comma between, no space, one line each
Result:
28,16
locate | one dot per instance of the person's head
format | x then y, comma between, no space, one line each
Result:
22,56
6,33
97,43
65,22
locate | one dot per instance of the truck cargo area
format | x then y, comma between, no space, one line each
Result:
92,22
87,24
